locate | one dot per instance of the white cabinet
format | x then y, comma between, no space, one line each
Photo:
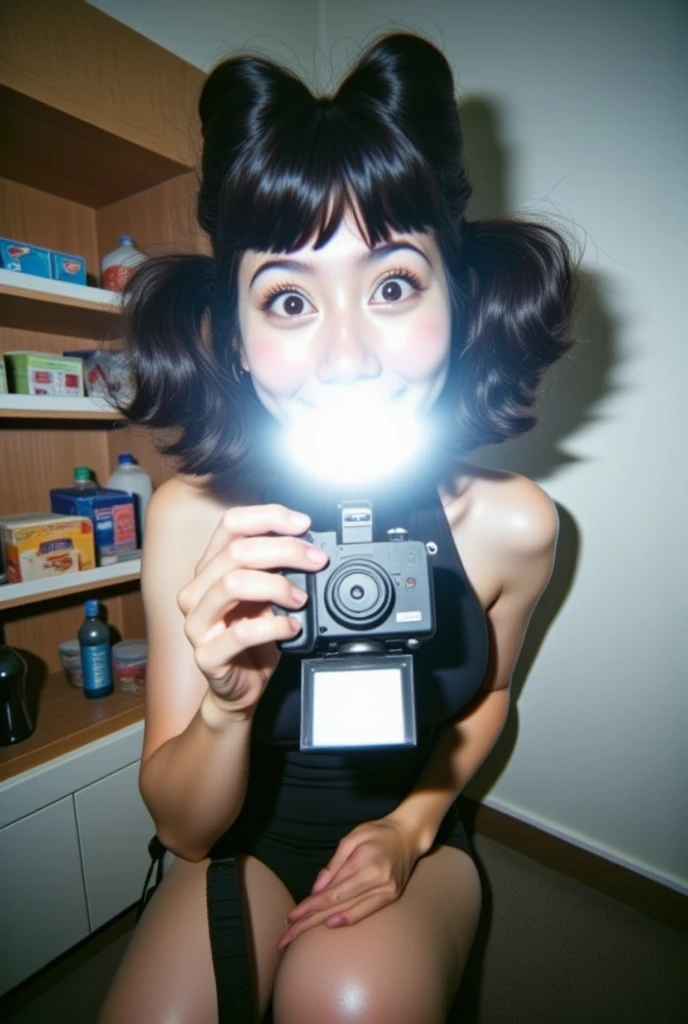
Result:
114,831
42,891
74,835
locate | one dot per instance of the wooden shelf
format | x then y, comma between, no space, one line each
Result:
66,720
66,156
39,407
12,595
33,303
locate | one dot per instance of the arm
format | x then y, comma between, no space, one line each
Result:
194,766
523,537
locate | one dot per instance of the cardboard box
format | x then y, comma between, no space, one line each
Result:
39,373
39,544
24,258
111,512
65,267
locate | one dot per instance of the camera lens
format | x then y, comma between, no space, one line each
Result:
359,594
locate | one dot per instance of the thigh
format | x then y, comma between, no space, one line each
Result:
167,974
401,965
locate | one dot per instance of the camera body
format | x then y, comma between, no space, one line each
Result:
372,591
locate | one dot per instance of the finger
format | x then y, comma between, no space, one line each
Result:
335,896
354,910
259,553
306,923
214,657
360,910
207,619
251,521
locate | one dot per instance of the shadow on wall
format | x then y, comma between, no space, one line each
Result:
569,399
570,394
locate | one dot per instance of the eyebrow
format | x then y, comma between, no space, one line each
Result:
372,256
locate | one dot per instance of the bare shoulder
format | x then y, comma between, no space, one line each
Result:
508,509
507,525
183,510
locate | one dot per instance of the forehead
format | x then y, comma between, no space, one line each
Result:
347,245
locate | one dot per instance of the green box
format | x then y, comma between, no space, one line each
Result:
40,373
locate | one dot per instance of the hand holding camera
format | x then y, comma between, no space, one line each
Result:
229,604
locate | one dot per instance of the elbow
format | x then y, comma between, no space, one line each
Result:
176,846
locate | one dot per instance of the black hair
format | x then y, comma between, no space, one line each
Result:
281,167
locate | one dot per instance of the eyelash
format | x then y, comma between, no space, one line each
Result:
285,289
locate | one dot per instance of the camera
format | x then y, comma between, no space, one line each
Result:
367,610
371,597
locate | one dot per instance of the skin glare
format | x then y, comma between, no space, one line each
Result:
318,324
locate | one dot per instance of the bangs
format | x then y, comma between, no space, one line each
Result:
294,187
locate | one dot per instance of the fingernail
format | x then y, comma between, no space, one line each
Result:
299,596
316,555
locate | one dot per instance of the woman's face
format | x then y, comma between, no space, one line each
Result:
346,322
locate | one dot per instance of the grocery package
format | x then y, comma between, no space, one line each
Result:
131,478
38,544
23,258
118,266
65,267
39,373
111,512
129,665
3,378
104,372
70,659
96,653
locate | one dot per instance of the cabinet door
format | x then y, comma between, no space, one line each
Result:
42,901
114,832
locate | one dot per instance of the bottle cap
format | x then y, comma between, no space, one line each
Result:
125,459
126,240
82,473
91,608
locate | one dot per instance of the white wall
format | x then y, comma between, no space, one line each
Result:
204,31
577,111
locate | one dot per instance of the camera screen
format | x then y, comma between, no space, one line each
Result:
358,704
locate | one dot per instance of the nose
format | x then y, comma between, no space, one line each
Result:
347,356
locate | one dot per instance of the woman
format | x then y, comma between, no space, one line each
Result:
342,266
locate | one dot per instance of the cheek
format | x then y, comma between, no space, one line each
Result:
419,348
281,365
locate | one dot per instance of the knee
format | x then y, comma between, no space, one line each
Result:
356,998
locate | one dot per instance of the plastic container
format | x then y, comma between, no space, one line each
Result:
129,659
118,266
96,653
70,658
134,480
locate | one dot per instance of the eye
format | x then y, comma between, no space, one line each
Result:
397,285
286,302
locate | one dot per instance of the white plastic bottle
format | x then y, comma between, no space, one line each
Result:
131,478
117,267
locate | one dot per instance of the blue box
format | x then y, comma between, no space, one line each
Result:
64,267
23,258
111,512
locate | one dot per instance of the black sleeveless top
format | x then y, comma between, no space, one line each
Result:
448,668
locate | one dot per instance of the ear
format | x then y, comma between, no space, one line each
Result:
240,355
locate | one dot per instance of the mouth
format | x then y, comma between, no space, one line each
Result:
355,440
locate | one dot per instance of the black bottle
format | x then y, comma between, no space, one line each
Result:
15,723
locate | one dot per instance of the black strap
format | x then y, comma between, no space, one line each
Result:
228,943
157,853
